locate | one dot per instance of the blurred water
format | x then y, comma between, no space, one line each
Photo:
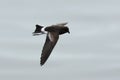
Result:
90,52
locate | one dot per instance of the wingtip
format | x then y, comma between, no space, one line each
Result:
60,24
42,63
64,23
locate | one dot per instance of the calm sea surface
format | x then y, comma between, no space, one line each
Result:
90,52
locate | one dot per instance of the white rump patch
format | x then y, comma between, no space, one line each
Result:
43,30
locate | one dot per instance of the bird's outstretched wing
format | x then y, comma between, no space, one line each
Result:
60,24
51,40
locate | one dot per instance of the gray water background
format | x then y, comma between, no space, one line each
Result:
90,52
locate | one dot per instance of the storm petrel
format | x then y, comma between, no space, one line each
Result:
53,33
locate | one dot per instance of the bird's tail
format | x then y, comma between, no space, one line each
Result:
38,30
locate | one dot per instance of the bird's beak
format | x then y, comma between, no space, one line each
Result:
69,32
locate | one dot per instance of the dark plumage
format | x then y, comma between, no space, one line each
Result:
52,37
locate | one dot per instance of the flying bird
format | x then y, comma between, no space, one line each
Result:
52,37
